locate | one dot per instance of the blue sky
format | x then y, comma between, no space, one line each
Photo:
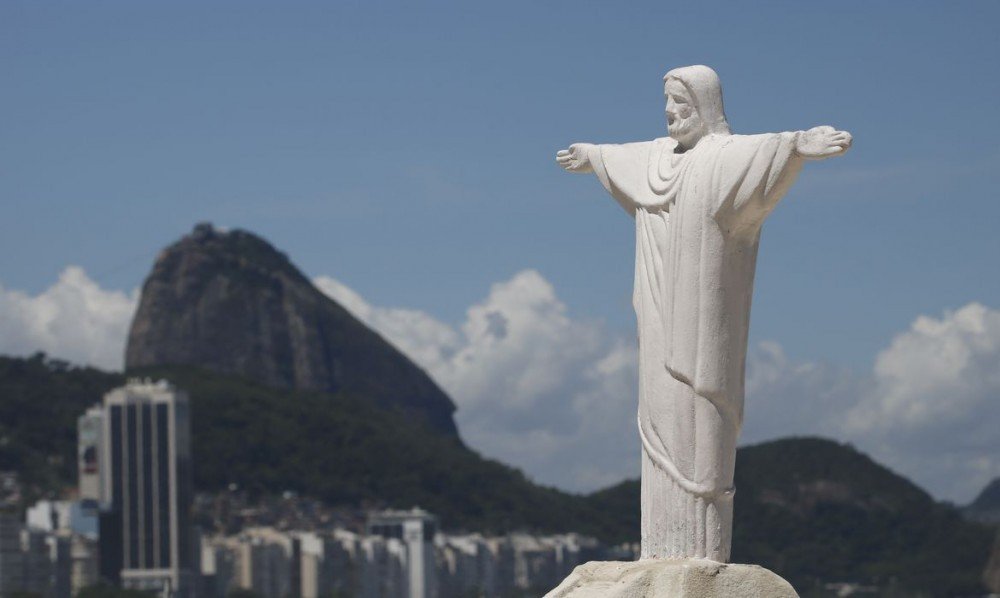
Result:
408,151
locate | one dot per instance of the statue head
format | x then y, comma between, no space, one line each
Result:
694,104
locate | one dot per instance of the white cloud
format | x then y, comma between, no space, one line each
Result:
422,337
934,405
938,371
74,319
785,397
534,386
555,394
929,408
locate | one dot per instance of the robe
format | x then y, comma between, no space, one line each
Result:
698,217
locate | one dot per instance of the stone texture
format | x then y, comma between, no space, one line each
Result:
662,578
699,199
232,303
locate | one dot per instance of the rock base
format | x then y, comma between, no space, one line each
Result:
661,578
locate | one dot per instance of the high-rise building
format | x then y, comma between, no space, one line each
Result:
415,529
144,469
90,446
83,563
326,564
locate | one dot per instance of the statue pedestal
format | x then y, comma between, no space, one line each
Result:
661,578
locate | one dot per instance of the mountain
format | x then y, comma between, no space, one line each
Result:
986,506
231,303
817,509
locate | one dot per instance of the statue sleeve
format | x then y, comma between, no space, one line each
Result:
752,174
623,170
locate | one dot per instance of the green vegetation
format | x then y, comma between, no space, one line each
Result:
811,510
40,400
814,509
344,450
619,509
338,448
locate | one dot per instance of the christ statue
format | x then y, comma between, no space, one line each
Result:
699,198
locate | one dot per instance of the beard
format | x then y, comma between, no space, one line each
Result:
685,131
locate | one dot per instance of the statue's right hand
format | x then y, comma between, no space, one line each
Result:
576,158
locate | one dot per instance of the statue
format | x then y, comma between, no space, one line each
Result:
699,198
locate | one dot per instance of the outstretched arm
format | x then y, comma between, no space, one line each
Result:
759,169
819,143
586,158
622,169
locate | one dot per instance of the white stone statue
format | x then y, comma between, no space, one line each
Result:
699,198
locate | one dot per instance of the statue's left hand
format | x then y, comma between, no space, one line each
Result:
576,158
823,142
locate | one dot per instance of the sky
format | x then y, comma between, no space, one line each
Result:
403,156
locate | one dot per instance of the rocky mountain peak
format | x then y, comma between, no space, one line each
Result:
230,302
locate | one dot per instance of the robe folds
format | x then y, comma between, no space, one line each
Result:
698,216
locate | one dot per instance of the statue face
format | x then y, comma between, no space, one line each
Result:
683,121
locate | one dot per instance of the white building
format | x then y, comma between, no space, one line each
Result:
387,562
83,559
415,529
467,566
89,452
259,559
324,564
59,515
267,562
382,568
70,532
220,565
